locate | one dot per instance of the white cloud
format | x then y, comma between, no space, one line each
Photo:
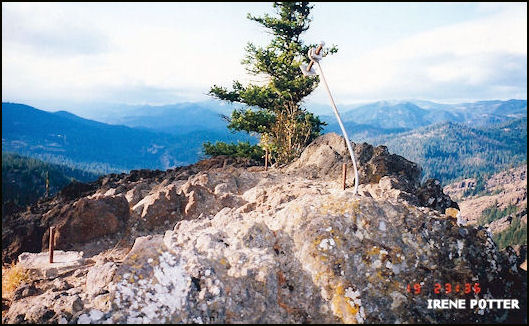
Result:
81,51
470,54
151,53
47,29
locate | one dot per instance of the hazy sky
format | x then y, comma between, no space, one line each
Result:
56,54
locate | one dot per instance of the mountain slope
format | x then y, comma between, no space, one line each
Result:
359,132
496,201
384,115
450,150
415,114
177,119
24,179
62,137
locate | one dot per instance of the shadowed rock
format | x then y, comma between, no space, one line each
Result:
88,219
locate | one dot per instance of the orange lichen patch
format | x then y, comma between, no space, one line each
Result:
452,212
342,307
318,276
133,257
339,290
373,251
339,207
317,240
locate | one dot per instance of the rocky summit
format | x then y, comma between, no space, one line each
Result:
224,241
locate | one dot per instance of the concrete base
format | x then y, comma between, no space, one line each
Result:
38,265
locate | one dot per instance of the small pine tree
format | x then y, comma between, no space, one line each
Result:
274,108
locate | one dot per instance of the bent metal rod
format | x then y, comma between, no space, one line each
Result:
315,56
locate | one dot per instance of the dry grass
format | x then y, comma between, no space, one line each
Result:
12,277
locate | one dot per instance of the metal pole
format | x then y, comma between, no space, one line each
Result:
266,159
349,146
344,175
52,238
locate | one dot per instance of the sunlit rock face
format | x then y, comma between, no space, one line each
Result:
318,259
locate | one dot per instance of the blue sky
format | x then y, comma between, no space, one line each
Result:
60,55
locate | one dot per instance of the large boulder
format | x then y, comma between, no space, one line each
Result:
431,194
320,259
383,175
76,189
22,235
163,206
210,191
324,157
88,219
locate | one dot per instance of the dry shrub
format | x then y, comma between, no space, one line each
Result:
12,277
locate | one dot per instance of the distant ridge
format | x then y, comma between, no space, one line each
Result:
64,138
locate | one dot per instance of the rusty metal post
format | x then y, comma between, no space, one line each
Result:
52,242
344,175
266,159
47,184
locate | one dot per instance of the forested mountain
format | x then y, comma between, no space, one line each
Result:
411,115
361,132
385,115
24,179
448,140
65,138
177,119
379,117
449,150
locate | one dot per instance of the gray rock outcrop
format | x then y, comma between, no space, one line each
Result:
318,259
324,157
